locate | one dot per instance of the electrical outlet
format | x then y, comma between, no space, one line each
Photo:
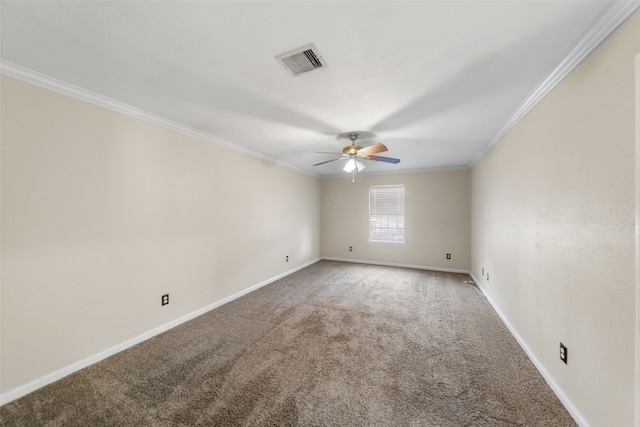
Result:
287,258
487,276
350,248
165,299
448,256
564,353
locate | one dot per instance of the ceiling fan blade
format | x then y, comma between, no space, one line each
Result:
383,159
372,149
328,161
326,152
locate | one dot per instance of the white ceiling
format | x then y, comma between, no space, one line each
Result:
437,82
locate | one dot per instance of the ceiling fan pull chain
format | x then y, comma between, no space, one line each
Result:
353,175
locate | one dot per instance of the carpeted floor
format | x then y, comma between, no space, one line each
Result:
335,344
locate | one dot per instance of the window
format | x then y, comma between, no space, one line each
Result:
386,213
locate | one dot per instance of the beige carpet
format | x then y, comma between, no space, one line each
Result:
335,344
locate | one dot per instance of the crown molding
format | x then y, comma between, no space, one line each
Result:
393,172
606,25
46,82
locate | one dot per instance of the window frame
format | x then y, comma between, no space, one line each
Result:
387,229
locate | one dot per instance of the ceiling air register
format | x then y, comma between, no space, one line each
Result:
301,61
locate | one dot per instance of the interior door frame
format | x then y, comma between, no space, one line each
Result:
637,107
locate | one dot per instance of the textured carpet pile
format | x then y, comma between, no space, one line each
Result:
335,344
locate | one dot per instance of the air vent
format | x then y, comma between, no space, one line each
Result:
302,60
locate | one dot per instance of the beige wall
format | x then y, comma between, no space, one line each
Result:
554,225
437,219
103,213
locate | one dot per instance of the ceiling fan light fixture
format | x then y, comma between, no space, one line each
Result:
351,165
360,165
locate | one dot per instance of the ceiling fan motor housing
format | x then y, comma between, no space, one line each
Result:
351,150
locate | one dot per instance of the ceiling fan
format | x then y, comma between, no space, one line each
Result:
354,153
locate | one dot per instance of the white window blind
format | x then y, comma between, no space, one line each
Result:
386,213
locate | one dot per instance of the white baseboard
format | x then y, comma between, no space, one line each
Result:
393,264
564,399
29,387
